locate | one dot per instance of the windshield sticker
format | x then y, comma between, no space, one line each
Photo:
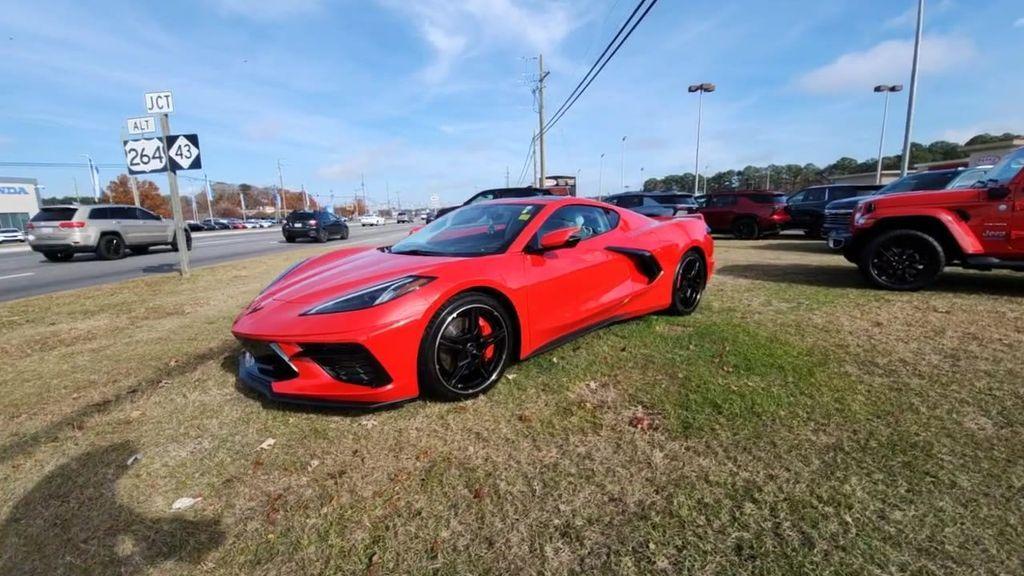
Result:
525,214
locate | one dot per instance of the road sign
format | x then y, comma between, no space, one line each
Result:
435,201
184,152
145,156
141,125
159,103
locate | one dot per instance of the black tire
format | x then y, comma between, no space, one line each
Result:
322,236
902,260
458,360
289,239
814,231
63,256
344,233
746,229
691,279
110,247
188,241
139,249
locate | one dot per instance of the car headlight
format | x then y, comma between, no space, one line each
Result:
283,274
372,296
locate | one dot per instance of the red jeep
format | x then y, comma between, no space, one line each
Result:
746,214
903,241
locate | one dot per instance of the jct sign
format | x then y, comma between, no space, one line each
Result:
159,103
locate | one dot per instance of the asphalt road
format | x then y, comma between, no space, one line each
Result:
25,273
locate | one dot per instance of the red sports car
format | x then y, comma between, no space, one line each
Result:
447,309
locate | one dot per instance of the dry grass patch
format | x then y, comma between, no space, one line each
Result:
798,424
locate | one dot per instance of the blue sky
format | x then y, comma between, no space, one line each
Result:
429,96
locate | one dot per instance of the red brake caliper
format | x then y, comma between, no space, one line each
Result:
486,330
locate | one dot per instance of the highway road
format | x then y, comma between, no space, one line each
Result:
25,273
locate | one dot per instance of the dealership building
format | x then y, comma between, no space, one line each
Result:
19,201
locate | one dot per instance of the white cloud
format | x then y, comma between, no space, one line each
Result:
1019,23
267,9
909,16
456,29
888,61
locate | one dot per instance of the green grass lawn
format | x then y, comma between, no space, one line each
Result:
799,423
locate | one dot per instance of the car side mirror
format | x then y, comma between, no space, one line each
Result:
561,238
998,192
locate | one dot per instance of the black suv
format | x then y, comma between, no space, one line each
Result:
320,226
806,208
655,204
492,194
839,214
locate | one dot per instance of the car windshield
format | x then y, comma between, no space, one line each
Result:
1007,168
56,214
919,181
966,179
475,230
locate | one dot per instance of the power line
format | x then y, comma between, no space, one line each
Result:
57,165
571,100
526,162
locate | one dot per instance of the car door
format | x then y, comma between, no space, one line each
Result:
719,211
572,288
126,220
155,229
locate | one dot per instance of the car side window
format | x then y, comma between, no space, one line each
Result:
798,197
630,201
841,193
591,220
100,214
815,195
144,214
481,197
721,201
123,213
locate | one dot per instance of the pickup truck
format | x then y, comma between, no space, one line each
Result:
904,241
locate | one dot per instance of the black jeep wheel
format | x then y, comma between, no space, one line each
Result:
322,236
289,239
466,348
746,229
110,247
903,260
188,241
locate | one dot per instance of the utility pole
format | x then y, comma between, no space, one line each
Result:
241,200
506,176
74,180
280,190
540,117
768,177
362,187
179,224
209,196
135,189
536,183
398,198
912,95
305,198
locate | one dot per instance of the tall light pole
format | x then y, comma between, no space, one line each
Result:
886,89
542,75
280,190
641,178
700,89
600,178
912,95
622,166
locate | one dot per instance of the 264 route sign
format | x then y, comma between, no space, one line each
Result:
145,156
184,152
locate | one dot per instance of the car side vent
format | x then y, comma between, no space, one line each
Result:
350,363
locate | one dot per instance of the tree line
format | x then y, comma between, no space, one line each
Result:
793,177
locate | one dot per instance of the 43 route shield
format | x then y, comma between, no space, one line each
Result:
183,151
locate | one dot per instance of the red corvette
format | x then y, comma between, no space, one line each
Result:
447,309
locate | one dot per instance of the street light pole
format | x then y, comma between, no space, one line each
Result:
600,178
912,95
886,89
700,89
622,166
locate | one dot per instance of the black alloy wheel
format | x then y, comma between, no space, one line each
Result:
903,260
110,247
322,236
467,347
746,229
188,241
344,233
688,286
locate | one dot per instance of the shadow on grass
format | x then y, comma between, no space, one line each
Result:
838,276
795,245
229,364
77,419
71,522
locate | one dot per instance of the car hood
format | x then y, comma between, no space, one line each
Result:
330,277
848,203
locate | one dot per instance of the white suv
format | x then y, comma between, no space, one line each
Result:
11,235
109,230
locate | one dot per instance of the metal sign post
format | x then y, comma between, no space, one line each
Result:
135,189
179,221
